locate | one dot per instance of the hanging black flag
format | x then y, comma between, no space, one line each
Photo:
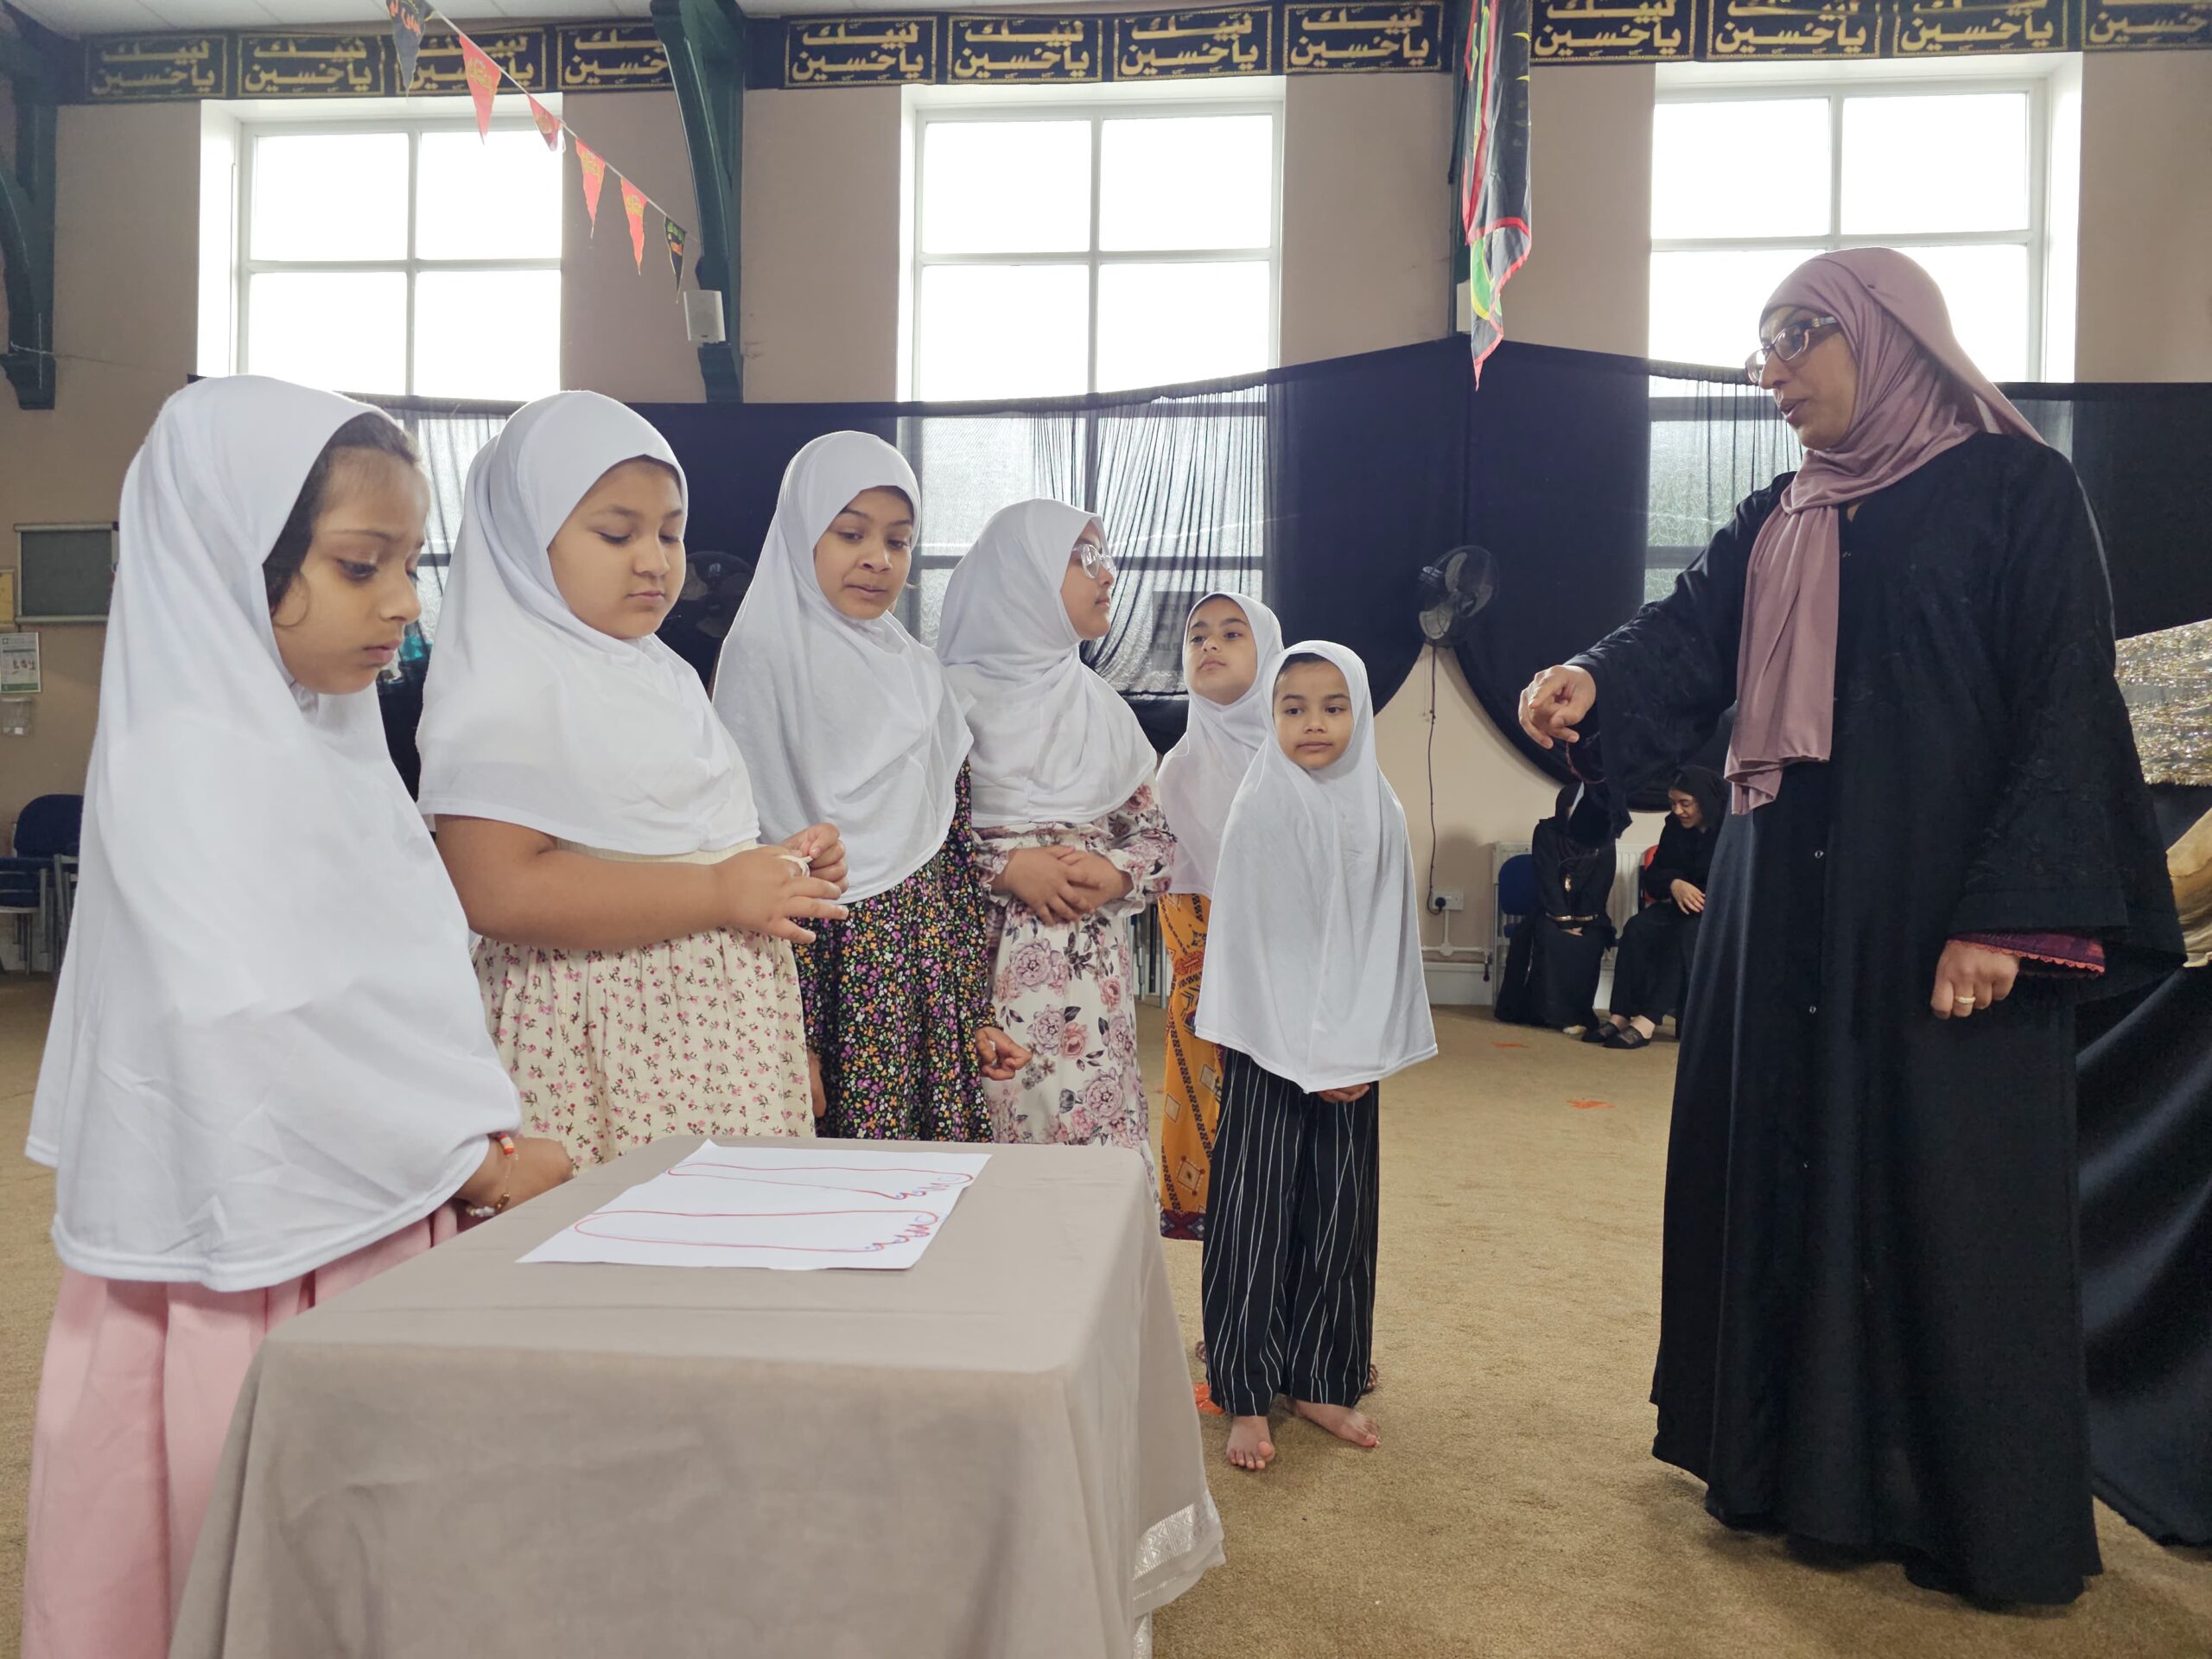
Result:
408,17
1490,170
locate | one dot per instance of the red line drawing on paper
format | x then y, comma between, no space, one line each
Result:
927,1184
908,1227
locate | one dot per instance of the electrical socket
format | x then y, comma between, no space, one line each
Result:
1444,899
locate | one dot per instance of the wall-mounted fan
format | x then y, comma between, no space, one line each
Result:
697,625
1453,590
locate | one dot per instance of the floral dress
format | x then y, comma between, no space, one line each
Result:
612,1049
1066,990
895,994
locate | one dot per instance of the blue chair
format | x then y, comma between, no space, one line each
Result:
31,880
1517,900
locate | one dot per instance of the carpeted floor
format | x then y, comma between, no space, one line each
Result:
1514,1508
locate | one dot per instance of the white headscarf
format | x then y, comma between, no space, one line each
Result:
1198,778
268,1050
532,716
1313,946
1054,743
840,721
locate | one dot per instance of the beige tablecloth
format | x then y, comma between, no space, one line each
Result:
994,1453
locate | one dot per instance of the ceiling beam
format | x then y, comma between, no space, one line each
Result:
705,41
34,61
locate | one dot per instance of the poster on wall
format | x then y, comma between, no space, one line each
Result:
18,665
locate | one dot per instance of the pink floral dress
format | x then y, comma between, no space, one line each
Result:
1066,991
612,1049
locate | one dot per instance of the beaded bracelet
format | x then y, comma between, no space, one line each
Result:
483,1211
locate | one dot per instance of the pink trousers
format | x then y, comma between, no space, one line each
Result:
133,1404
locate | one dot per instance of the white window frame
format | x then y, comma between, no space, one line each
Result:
250,130
927,107
1835,83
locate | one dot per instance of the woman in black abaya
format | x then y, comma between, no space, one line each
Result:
1870,1316
1652,972
1552,965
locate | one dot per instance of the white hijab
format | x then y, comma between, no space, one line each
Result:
840,721
1198,778
532,716
268,1050
1313,946
1054,743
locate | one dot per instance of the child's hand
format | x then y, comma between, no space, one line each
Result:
814,1089
1345,1097
541,1164
1040,878
1001,1056
824,850
768,894
1102,881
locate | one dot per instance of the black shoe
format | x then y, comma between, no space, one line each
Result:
1598,1030
1626,1037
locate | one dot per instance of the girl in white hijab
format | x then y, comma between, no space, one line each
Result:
1225,640
841,715
1313,990
1070,837
265,1073
636,955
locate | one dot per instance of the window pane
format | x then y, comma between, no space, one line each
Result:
341,331
1189,181
1160,324
1002,331
1005,187
487,334
1987,290
330,196
1954,162
1705,307
495,198
1740,168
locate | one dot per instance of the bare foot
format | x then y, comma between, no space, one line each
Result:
1342,1421
1250,1446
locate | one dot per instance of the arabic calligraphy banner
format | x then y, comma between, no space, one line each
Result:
303,63
1296,38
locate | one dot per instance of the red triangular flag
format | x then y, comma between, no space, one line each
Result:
483,81
594,176
548,125
634,203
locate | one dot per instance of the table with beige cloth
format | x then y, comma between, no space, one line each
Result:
993,1453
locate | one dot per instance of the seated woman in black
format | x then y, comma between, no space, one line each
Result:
1653,969
1552,966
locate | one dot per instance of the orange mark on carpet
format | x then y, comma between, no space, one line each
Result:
1509,1045
1591,1105
1202,1397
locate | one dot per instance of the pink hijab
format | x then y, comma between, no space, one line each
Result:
1919,394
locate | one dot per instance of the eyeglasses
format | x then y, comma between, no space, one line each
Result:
1790,344
1097,561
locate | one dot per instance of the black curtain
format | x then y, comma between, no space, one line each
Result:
1325,487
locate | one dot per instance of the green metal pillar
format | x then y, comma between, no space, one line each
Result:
31,60
705,41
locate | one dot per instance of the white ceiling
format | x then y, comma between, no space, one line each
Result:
134,17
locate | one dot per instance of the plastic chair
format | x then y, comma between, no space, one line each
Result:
1516,901
47,828
26,893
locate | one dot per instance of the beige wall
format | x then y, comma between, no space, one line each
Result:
622,332
819,292
1586,283
126,249
2145,309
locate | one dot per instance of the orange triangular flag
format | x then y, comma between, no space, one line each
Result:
594,176
634,203
483,76
548,125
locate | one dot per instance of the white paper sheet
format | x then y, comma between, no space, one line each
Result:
756,1206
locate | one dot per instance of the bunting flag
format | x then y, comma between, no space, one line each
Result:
1491,169
633,204
408,17
595,170
483,82
548,125
675,248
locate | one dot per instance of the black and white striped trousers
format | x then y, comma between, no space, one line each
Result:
1289,1268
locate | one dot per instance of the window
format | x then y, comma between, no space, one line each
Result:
1753,175
1092,244
400,257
